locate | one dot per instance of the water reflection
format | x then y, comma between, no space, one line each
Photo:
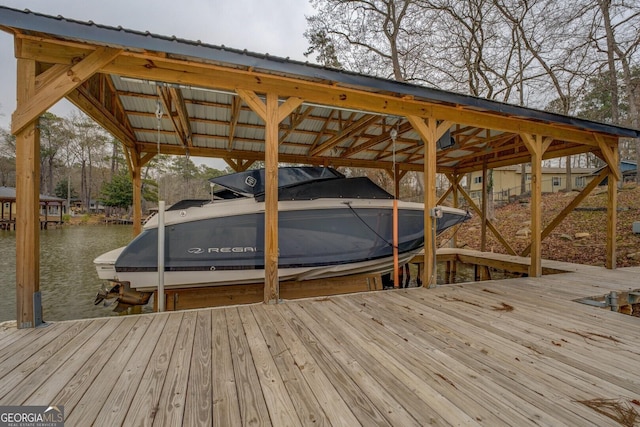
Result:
68,279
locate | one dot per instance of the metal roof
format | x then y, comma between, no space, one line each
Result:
9,194
218,123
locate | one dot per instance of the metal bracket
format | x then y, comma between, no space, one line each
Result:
610,300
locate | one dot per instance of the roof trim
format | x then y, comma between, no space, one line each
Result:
118,36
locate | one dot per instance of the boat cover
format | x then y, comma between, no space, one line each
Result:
251,183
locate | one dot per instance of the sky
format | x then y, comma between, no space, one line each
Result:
275,27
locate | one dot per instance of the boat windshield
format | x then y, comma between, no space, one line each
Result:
251,183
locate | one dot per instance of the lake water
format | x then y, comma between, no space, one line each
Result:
68,279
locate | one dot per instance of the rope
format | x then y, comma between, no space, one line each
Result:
368,226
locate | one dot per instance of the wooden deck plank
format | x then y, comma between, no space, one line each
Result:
305,403
31,342
484,357
117,403
174,391
10,334
401,403
197,407
61,376
563,316
521,331
86,410
495,294
253,408
281,409
144,406
51,356
448,355
83,379
477,398
226,405
489,327
324,379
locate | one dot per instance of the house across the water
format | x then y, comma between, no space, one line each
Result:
507,181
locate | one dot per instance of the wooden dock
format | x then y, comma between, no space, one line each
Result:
511,352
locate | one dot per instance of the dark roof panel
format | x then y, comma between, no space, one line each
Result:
131,39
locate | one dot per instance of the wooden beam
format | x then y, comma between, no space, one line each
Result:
165,69
610,155
287,107
179,119
483,228
271,113
355,127
147,157
455,184
235,116
295,121
402,129
445,195
254,102
428,131
466,165
535,146
259,156
612,209
27,202
183,115
136,178
490,225
569,208
173,70
271,285
65,80
92,107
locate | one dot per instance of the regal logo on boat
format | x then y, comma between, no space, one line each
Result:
239,249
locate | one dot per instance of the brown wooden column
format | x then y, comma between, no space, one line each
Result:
28,314
609,152
272,284
483,229
455,184
135,162
612,210
272,113
536,147
430,131
136,180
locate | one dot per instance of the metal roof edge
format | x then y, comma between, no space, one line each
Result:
118,36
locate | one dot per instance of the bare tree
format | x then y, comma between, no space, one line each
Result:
88,147
616,25
7,158
384,38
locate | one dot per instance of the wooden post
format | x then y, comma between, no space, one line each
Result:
272,114
27,205
609,152
536,148
612,216
271,284
429,131
136,179
483,230
455,184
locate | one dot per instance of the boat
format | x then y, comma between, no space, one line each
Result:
329,225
